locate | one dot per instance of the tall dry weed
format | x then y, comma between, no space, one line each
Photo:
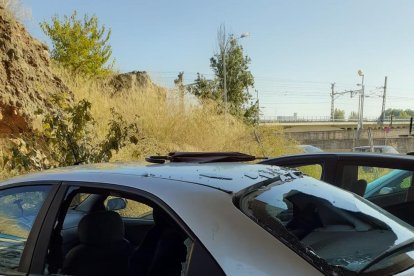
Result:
164,127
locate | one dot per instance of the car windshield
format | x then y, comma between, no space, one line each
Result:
331,225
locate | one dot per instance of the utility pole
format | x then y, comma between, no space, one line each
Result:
332,102
258,106
225,76
383,101
224,42
338,94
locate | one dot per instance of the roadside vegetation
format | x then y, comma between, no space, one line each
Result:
163,126
232,83
102,124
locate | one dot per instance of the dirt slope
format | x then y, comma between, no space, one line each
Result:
134,81
26,78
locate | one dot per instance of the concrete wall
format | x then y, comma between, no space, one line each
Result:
344,134
343,140
402,144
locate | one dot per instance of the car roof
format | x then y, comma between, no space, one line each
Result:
230,177
348,155
401,161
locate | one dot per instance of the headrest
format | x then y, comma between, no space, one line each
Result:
100,228
359,187
162,218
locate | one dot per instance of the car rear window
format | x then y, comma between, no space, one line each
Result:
328,225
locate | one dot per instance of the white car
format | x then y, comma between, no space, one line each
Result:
309,148
377,149
194,218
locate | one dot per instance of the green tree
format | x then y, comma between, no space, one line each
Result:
404,115
353,116
339,114
238,76
399,113
239,79
252,112
204,88
80,45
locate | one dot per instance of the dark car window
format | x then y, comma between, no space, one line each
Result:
19,208
116,234
383,186
313,170
133,209
335,228
394,181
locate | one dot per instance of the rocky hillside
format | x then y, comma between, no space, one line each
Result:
26,79
134,81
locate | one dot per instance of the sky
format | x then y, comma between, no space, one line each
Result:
297,48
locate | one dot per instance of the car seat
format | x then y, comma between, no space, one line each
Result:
103,249
162,251
358,187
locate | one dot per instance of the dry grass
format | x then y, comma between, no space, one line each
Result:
10,227
164,128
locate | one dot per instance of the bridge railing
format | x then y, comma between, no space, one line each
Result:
322,119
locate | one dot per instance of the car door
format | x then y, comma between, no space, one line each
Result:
23,207
48,258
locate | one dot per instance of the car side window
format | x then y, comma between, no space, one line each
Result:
387,181
101,236
383,186
19,208
313,170
130,209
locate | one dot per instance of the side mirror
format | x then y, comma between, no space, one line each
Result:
385,190
116,203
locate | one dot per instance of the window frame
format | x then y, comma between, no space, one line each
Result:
328,162
320,164
26,260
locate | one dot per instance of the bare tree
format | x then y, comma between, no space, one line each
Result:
17,8
222,38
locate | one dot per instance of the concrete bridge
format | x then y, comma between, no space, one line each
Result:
340,135
315,123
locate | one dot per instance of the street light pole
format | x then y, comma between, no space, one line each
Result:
362,101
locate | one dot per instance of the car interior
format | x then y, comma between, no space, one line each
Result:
95,235
396,194
336,234
340,237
